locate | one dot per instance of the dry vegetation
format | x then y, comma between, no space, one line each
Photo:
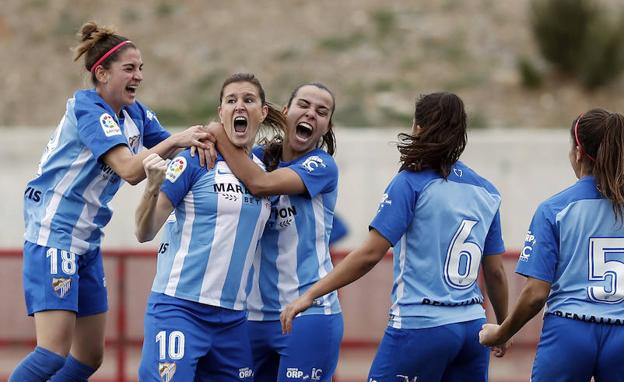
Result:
377,55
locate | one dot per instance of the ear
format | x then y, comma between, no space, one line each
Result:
265,112
219,111
578,155
101,74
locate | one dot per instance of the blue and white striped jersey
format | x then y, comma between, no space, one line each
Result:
294,249
439,229
66,204
211,237
575,243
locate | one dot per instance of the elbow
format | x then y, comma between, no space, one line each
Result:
133,180
142,236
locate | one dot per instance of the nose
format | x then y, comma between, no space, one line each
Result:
138,75
240,105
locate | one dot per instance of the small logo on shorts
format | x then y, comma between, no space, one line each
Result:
405,378
61,286
245,372
166,371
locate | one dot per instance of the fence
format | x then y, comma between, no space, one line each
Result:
129,277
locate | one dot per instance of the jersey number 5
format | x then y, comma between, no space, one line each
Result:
461,266
601,269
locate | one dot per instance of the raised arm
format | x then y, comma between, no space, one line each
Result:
497,290
531,301
355,265
282,181
130,167
155,206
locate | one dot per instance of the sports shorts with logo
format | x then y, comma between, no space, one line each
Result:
308,353
56,279
188,341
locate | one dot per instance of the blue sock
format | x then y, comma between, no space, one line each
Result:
38,366
73,371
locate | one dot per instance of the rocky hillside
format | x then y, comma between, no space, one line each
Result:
376,55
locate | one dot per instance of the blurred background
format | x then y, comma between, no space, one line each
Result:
524,68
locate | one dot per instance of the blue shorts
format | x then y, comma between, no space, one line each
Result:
571,350
309,353
55,279
443,353
189,341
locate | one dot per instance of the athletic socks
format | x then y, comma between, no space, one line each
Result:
38,366
73,371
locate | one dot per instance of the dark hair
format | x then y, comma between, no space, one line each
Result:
442,138
95,42
273,147
601,139
274,119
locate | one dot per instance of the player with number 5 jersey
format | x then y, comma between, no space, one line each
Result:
443,221
573,258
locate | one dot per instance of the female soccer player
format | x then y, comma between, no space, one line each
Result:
443,220
294,249
573,259
195,321
97,144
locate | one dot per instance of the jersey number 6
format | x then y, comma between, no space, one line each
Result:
461,266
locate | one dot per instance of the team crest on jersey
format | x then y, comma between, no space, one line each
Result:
166,370
312,163
109,125
61,286
175,169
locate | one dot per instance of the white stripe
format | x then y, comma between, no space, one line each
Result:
395,309
286,262
85,224
185,242
222,241
322,251
241,298
58,192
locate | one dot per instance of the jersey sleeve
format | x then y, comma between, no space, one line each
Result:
539,255
180,176
153,132
97,128
319,173
396,209
494,244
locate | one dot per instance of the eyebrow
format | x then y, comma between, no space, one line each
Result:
319,105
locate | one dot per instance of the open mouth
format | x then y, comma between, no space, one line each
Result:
240,124
132,89
303,130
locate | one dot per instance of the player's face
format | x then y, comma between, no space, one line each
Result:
241,113
120,82
308,118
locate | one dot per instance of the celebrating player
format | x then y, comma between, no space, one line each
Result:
195,321
97,144
573,259
443,221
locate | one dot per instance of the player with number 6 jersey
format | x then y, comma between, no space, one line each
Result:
573,258
443,221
